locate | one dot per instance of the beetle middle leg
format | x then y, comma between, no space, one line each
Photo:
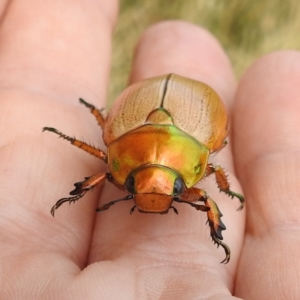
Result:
223,183
96,112
213,214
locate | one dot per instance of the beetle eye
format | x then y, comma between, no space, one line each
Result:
129,184
178,186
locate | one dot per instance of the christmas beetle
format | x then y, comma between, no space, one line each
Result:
159,135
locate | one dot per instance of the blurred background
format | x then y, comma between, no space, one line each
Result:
246,29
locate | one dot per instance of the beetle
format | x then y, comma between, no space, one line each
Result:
159,135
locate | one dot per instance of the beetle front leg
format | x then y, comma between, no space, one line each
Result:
80,189
213,214
216,227
223,183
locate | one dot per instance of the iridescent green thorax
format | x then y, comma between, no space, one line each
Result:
164,145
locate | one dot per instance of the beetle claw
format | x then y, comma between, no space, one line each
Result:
225,247
237,195
63,200
98,113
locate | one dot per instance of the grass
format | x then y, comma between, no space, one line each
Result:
246,29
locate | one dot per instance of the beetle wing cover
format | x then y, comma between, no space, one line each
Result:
132,107
197,110
194,106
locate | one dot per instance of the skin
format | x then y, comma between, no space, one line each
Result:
54,52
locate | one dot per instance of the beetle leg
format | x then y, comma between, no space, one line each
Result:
82,145
223,183
213,214
109,204
174,209
196,206
132,210
80,189
96,112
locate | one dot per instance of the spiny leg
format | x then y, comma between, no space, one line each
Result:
82,145
213,214
80,189
223,183
96,112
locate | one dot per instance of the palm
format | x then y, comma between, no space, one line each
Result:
80,254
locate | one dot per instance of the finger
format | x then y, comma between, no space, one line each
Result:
60,44
52,53
267,118
148,240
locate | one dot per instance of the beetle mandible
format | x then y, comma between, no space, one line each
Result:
159,135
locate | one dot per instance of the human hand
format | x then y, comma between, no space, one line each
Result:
53,54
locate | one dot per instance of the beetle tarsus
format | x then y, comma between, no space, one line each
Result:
175,210
80,144
224,246
132,210
96,112
61,135
63,200
109,204
237,195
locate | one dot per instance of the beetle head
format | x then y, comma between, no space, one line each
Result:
154,187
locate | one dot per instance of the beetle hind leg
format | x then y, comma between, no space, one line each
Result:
80,189
223,183
80,144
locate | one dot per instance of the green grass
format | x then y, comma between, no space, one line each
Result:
246,29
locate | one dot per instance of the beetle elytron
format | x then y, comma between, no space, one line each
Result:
159,135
